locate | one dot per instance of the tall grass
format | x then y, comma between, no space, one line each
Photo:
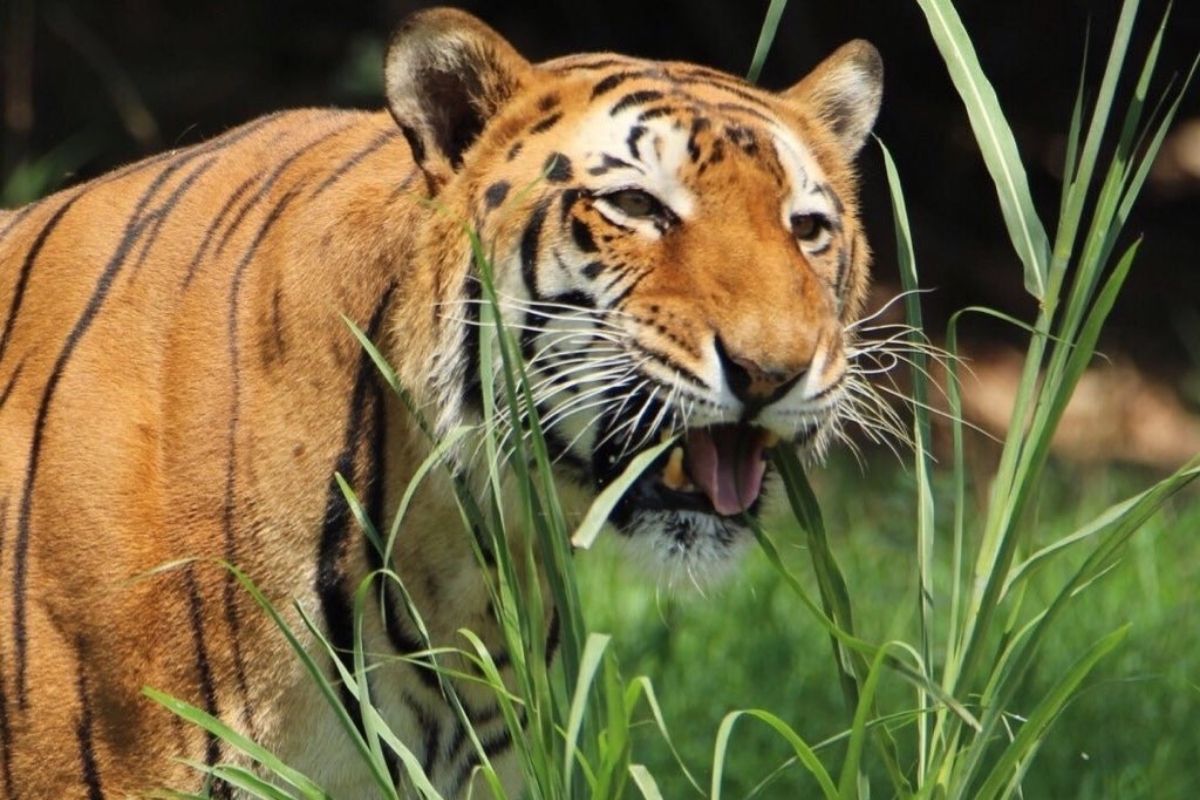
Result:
993,634
979,634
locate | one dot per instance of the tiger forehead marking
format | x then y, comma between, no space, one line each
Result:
677,252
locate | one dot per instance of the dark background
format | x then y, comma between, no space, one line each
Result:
88,85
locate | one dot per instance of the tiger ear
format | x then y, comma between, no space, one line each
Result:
446,73
844,92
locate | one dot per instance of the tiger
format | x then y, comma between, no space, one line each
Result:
678,251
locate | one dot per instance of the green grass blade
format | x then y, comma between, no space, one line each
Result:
519,603
487,345
1074,131
389,375
360,514
436,456
243,744
804,754
616,746
849,640
1018,657
640,687
370,729
1081,171
835,597
851,772
1025,456
922,438
1138,178
645,782
1047,710
507,709
1107,219
378,771
372,535
1107,222
1147,500
542,514
954,401
170,794
248,782
996,141
766,38
1054,405
593,653
385,369
896,719
852,643
597,514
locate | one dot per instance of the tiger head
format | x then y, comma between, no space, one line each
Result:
677,252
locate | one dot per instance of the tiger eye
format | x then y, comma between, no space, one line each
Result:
807,227
634,203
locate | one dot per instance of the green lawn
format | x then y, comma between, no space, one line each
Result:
748,643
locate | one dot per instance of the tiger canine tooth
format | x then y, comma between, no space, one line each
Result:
771,439
673,475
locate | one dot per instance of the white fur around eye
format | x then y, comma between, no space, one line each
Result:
664,157
809,188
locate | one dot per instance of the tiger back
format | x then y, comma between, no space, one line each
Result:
178,389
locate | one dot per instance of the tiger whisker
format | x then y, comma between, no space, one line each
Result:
941,413
599,317
569,407
616,337
655,425
886,364
874,348
585,428
548,377
629,424
504,299
900,340
873,412
597,354
883,308
603,370
613,378
636,421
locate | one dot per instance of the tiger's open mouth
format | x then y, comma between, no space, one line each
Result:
723,464
715,470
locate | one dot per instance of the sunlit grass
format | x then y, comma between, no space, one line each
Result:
746,644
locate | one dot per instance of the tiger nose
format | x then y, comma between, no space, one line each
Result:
753,383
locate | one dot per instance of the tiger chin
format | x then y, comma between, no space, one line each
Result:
678,252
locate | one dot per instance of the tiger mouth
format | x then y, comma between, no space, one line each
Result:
716,470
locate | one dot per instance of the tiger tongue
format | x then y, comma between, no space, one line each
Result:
726,461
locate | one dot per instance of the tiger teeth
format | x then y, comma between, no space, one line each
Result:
673,476
771,439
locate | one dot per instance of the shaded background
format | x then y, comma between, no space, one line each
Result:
88,85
